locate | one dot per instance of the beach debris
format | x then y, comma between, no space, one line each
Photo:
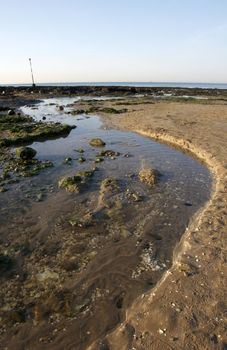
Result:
25,152
148,176
97,142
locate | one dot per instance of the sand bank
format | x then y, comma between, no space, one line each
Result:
186,309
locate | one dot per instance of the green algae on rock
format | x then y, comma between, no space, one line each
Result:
25,152
75,184
97,142
25,167
19,129
86,173
108,153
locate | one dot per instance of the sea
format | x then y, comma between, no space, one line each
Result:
135,84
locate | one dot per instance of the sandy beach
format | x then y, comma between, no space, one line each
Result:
186,309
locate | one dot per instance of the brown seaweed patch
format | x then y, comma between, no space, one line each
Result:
148,176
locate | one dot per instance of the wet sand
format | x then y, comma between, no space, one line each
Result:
184,310
187,309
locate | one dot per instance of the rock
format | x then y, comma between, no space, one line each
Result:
108,153
148,176
136,197
11,112
60,108
25,152
97,142
81,159
188,204
76,183
86,173
80,150
71,184
43,118
39,197
2,189
99,160
67,160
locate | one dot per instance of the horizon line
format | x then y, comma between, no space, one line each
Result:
115,82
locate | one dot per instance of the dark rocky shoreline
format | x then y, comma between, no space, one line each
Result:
109,90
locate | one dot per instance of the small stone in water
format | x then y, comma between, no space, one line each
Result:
67,160
81,159
97,142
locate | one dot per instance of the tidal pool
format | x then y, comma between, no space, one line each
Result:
84,257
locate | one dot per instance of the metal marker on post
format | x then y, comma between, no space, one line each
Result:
33,83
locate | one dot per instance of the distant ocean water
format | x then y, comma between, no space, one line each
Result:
135,84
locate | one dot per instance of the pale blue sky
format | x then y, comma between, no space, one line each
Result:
115,40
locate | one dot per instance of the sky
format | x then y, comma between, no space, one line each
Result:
113,40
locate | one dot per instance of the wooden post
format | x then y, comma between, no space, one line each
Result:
33,83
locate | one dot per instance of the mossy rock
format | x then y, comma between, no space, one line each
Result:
85,173
77,112
97,142
4,119
148,176
18,133
71,183
26,167
76,183
25,152
108,153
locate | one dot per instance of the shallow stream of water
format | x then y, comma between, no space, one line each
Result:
126,243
